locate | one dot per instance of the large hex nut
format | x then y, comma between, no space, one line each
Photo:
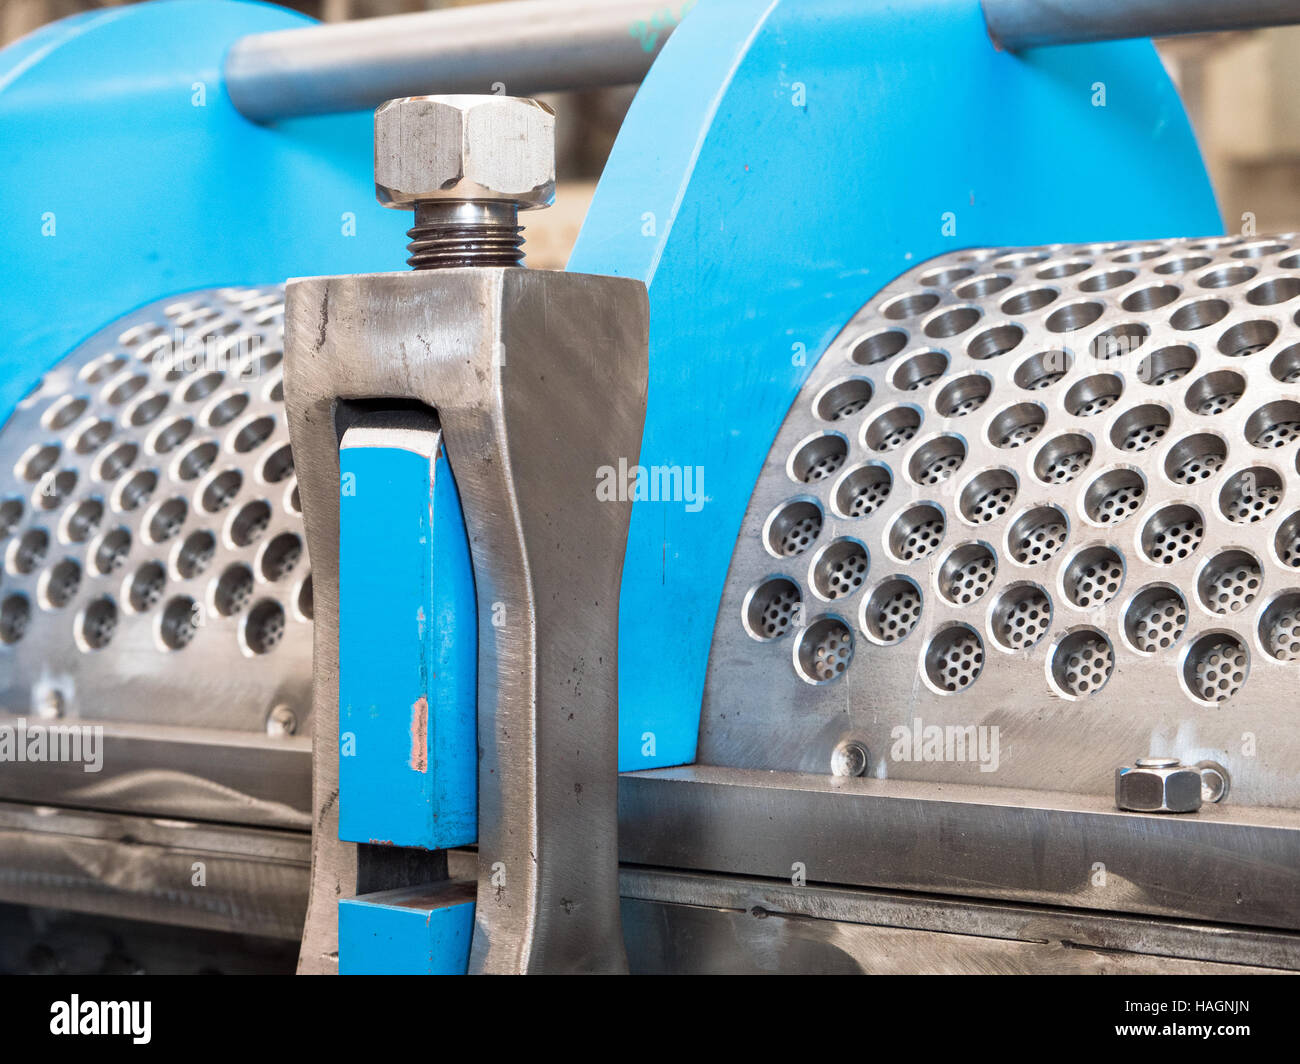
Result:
1158,785
464,148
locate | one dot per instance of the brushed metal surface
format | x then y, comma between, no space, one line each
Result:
1051,493
154,568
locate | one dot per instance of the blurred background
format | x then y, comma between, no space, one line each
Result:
1244,105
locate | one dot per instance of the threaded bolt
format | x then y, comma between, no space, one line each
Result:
466,165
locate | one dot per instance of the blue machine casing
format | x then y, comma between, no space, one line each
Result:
783,161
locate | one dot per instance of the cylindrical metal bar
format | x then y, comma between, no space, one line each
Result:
1019,24
519,48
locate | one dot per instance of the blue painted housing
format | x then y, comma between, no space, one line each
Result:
403,932
783,161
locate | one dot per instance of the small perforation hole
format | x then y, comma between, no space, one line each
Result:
824,650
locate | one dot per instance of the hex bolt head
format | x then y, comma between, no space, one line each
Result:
459,148
1158,785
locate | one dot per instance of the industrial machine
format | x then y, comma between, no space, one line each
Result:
878,551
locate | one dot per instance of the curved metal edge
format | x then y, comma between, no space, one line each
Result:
815,151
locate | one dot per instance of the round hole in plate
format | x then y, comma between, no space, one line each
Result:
281,555
861,491
988,495
1020,617
840,568
234,590
1062,458
227,409
1145,300
1114,495
29,551
253,434
1028,300
1258,251
1155,618
81,520
115,461
1106,280
1140,428
171,435
1215,667
221,491
135,490
1183,264
1166,365
1226,276
893,428
1274,425
1279,627
97,623
1195,458
1093,577
197,460
167,519
278,465
891,610
54,489
111,551
876,347
937,460
250,522
952,321
60,584
995,342
837,402
1068,268
1199,314
954,658
306,599
945,277
195,554
119,393
963,396
1215,392
1286,365
1286,541
178,623
1229,582
916,532
909,306
982,287
1250,495
1074,316
1016,425
771,608
1094,395
1247,338
93,436
1119,341
1172,533
148,409
823,650
967,572
38,460
202,387
920,370
793,527
1037,535
15,614
146,587
1043,369
1081,663
818,457
264,626
1273,291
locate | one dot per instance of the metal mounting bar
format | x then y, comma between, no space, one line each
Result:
527,46
1019,24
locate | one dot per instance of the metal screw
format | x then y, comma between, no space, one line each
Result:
281,721
850,759
1158,785
466,165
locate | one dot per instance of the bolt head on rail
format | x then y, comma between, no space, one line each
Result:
430,148
1158,785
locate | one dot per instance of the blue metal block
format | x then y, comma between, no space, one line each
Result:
407,647
128,175
411,931
783,161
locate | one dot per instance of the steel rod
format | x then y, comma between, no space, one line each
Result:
1019,24
519,48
